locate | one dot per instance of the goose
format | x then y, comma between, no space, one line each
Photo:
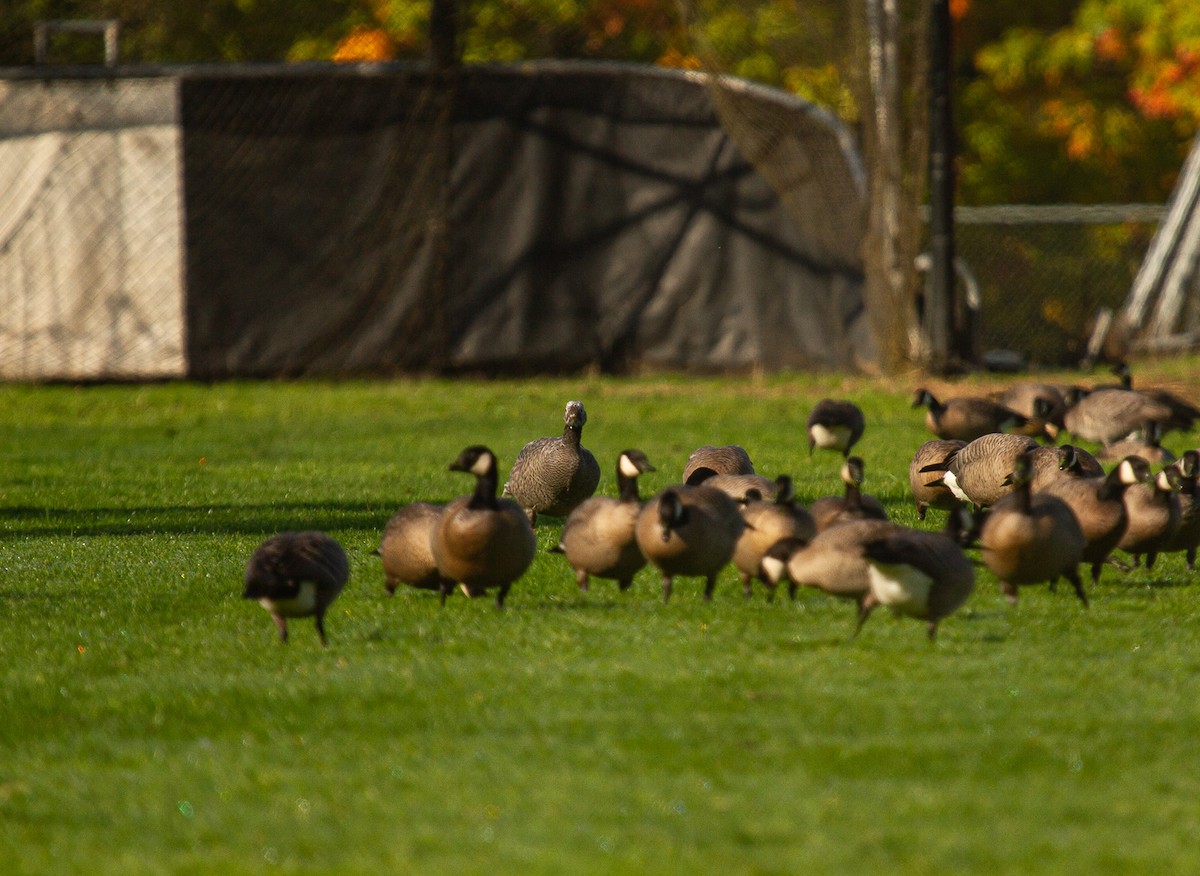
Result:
965,418
1099,506
1065,461
739,487
929,491
1024,397
598,538
766,523
406,548
830,511
1030,538
553,476
707,460
833,561
834,424
924,575
297,574
1154,516
1106,416
1148,447
1187,537
482,542
689,530
979,472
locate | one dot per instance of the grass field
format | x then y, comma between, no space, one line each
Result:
153,723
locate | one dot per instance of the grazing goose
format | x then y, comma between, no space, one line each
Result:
1024,398
830,511
297,574
689,530
481,541
1183,413
919,574
707,460
1099,507
965,418
406,548
834,425
599,537
1067,461
979,472
833,561
1148,447
1106,416
1030,538
553,475
930,491
1154,516
766,523
1187,537
742,488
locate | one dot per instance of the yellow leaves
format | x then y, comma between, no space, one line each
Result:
365,44
673,57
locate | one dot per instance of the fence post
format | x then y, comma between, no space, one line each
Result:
949,334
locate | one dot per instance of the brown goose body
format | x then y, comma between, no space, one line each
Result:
741,487
1106,416
297,574
1066,461
1099,507
853,504
707,460
482,542
1187,537
1032,538
1024,397
766,523
979,473
928,489
553,476
1147,445
406,547
924,575
691,531
965,418
1154,516
599,538
834,424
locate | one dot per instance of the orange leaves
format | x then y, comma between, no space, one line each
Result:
365,44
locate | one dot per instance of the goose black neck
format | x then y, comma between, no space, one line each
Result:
1112,487
853,496
628,487
485,491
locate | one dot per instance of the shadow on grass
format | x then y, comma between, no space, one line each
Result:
29,522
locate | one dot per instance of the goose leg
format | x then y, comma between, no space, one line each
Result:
1073,577
709,586
281,625
321,629
666,589
582,577
503,593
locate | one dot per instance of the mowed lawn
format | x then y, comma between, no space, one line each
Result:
152,722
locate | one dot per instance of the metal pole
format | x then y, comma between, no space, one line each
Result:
949,335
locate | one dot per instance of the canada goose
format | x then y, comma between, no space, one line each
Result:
1024,397
406,548
1154,516
1066,461
689,530
297,574
1099,507
833,561
830,511
766,523
1183,413
965,418
1030,538
481,541
739,487
707,460
979,472
1148,446
1187,537
834,425
1040,424
1108,415
598,538
925,575
929,490
553,475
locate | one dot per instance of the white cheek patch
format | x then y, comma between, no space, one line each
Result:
1127,475
483,464
302,604
826,438
952,482
900,587
774,569
628,468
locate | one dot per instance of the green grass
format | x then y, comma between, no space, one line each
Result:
153,723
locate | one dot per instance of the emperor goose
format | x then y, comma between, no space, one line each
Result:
554,475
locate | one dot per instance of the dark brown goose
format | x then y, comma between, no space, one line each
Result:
766,523
739,487
553,476
834,424
707,460
689,530
1024,398
979,472
1106,416
1067,461
297,574
1099,506
965,418
1031,538
482,542
406,548
1154,516
830,511
1187,537
928,488
924,575
599,537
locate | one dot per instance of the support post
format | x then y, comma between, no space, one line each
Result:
946,322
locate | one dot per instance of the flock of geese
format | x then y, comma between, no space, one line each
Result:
1035,511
